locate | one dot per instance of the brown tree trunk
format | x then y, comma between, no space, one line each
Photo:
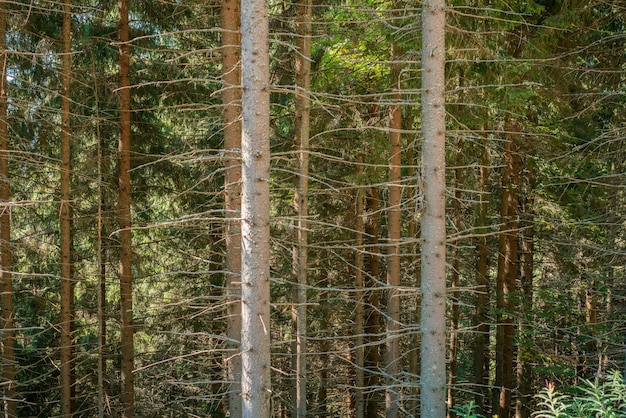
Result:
481,344
359,381
454,283
67,285
231,96
7,332
372,306
255,211
507,275
524,356
126,275
300,250
393,252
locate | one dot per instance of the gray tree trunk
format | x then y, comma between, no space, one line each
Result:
433,322
255,211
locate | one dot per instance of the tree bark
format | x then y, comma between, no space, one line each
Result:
126,275
67,284
359,381
231,96
394,231
433,235
255,211
300,251
372,307
7,332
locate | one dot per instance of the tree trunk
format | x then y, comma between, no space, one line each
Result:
454,282
507,274
481,344
394,231
300,250
255,211
372,306
7,332
67,285
359,381
126,275
433,235
231,96
524,356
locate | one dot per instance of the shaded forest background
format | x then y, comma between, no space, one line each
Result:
536,97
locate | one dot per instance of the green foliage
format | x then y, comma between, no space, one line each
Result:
603,397
467,411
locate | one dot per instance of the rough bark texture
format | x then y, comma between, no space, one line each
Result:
359,351
126,275
67,285
393,252
6,280
433,236
255,211
372,307
231,96
300,251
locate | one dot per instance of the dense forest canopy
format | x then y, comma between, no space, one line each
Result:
127,183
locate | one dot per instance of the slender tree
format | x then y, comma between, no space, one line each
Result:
359,351
231,96
300,251
433,232
67,284
7,323
255,211
126,275
394,231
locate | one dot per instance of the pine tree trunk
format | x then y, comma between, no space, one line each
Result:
454,283
433,235
359,380
372,306
231,96
7,333
255,211
67,285
126,275
394,232
481,344
300,251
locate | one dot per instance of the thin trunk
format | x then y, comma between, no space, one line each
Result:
67,285
507,275
322,393
7,332
300,251
481,345
126,275
231,96
372,306
433,321
524,367
359,381
454,283
255,211
394,231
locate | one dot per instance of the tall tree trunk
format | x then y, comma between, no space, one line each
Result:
394,230
300,251
126,275
231,96
507,275
524,367
359,380
372,307
481,342
324,347
7,332
255,211
433,321
67,285
454,282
